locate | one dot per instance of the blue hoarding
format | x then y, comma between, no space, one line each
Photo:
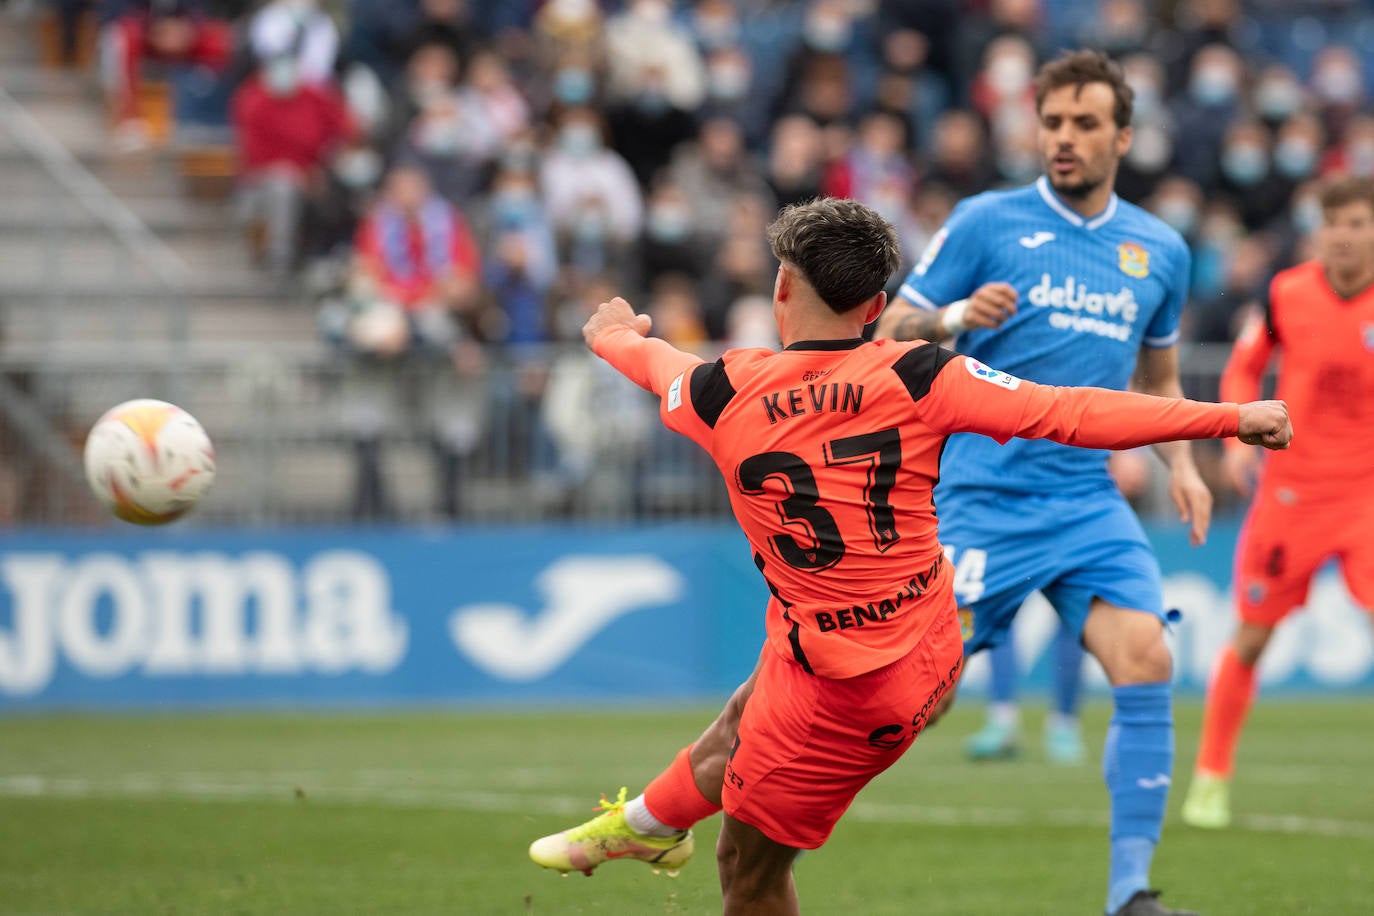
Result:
533,614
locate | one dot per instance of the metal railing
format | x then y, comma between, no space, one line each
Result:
51,195
304,435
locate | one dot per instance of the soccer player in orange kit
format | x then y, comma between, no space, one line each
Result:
1316,501
831,449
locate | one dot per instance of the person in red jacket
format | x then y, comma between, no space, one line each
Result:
415,257
177,32
831,449
287,131
1316,501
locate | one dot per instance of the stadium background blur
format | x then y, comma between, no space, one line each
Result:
430,492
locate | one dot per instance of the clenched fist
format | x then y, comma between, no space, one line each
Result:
610,314
1265,423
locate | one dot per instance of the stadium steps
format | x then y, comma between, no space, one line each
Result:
66,280
252,368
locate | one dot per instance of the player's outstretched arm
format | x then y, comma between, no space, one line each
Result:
618,335
968,397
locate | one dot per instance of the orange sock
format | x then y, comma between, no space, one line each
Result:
1228,701
673,797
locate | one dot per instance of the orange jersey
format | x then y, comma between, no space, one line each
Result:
1326,374
831,450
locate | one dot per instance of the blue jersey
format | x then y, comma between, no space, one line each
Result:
1092,292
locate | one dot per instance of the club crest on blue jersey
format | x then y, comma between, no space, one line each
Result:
1133,260
965,623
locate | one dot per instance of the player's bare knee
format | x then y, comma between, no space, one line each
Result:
1250,643
1146,661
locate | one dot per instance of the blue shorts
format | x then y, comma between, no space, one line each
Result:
1073,549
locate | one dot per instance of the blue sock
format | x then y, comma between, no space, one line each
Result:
1068,665
1137,764
1004,675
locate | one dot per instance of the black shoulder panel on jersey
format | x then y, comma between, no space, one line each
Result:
711,391
918,367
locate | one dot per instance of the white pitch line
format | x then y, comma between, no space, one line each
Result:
279,787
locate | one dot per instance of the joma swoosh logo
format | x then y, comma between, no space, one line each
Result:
1035,241
1158,782
581,594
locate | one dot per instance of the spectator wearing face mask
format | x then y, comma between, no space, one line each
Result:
1004,82
1298,147
592,198
1278,95
1200,23
286,131
299,28
1337,86
492,96
730,84
522,262
646,126
1298,231
1219,231
1119,27
1153,130
714,171
450,132
1210,103
671,243
1248,175
1177,201
715,24
645,37
1023,19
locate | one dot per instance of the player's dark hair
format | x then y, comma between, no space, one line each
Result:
1347,189
846,251
1079,68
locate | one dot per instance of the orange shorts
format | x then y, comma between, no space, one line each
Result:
1287,537
807,745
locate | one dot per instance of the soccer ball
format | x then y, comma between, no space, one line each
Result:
148,461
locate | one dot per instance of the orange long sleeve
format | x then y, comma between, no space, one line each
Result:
1240,380
971,398
650,363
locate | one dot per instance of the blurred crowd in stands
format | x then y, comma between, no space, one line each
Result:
470,178
482,166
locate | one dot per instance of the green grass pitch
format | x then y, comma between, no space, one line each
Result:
418,814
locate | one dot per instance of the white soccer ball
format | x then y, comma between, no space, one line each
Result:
148,461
